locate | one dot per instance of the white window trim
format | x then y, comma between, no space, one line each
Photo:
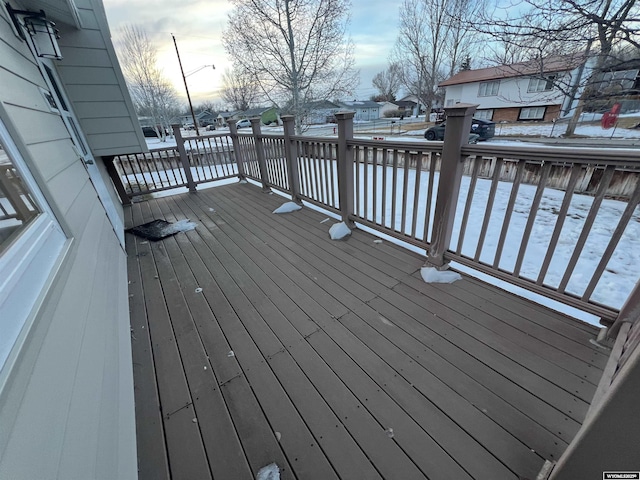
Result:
540,81
541,117
26,265
489,83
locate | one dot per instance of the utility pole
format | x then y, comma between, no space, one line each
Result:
193,115
575,118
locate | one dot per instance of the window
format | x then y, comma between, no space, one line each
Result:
532,113
484,114
488,89
31,242
541,84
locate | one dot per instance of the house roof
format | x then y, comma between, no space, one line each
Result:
560,63
404,103
361,104
256,111
320,104
228,114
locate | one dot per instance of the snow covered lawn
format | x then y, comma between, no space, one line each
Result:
619,277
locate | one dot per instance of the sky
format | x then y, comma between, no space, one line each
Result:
198,26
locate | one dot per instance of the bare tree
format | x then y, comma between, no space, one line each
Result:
296,50
239,89
210,106
153,95
543,29
388,82
434,40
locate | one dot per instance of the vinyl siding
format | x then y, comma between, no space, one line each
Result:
95,84
66,406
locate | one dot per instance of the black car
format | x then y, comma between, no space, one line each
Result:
149,132
485,129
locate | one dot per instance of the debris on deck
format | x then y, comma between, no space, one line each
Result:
433,275
339,231
287,207
270,472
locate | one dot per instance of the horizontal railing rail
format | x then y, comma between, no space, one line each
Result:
557,221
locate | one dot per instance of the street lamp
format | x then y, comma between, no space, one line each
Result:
184,78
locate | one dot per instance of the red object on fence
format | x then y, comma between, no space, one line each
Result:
610,118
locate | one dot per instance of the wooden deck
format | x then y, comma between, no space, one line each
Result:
334,359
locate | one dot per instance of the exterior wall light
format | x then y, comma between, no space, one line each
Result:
42,31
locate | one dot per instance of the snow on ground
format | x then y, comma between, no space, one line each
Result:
619,277
556,130
620,274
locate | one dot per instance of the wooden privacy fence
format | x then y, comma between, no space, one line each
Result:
516,213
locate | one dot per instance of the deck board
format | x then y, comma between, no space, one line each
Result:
305,352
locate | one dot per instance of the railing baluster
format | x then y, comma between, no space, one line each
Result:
334,182
375,153
432,176
317,183
507,216
533,211
365,170
385,154
489,208
477,161
562,215
356,154
416,194
394,189
588,223
405,191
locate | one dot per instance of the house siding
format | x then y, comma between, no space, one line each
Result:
512,114
66,396
95,85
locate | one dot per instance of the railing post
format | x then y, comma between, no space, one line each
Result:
291,153
183,157
116,179
262,164
629,313
452,164
345,165
233,132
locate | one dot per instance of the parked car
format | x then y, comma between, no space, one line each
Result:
484,129
149,132
245,122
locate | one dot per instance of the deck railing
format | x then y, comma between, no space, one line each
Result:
528,216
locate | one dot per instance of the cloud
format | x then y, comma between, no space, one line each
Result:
199,24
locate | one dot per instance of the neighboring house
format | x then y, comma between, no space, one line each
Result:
206,118
267,115
319,112
409,104
387,108
520,91
405,107
66,384
620,84
365,109
398,107
221,120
